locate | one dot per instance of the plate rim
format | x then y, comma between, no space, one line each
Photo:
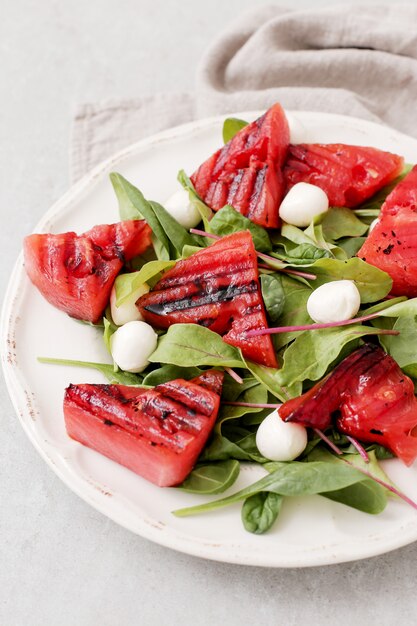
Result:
170,537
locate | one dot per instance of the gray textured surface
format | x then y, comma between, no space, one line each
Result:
61,562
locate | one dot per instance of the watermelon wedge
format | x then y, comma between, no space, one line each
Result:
370,399
246,172
218,288
157,433
75,273
348,174
392,243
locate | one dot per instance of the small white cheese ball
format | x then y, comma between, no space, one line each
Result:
298,132
336,301
278,440
128,311
180,207
373,224
302,203
132,344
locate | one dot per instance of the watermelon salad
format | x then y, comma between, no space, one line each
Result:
266,314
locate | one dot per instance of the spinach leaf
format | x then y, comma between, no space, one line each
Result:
289,479
273,295
351,245
120,377
171,235
313,353
256,394
170,372
211,478
272,379
407,308
187,251
126,284
231,126
366,496
341,222
221,448
260,511
303,254
204,210
192,345
402,347
372,283
294,312
228,221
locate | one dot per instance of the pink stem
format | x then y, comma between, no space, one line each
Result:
233,374
261,255
290,329
253,405
359,448
394,490
327,440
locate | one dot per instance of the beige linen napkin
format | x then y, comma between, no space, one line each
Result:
359,61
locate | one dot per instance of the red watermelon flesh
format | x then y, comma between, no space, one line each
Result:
157,433
370,398
218,288
392,243
246,172
75,273
348,174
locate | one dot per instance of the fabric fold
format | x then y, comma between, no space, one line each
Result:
358,61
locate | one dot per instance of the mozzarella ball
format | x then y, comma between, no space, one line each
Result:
132,344
334,302
373,224
298,132
180,207
278,440
302,203
128,311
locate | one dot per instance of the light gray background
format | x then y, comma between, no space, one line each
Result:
61,562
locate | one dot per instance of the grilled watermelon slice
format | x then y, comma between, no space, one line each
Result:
218,288
246,172
157,433
392,243
348,174
75,273
371,398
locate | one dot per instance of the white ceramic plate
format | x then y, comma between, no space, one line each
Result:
310,531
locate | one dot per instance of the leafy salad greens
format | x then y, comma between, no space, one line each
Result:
293,263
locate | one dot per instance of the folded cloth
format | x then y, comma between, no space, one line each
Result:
359,61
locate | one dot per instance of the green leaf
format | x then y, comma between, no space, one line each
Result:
342,222
290,479
294,312
221,448
204,210
402,347
313,352
255,394
351,245
119,377
132,205
273,295
187,251
372,283
170,372
126,284
228,221
192,345
231,126
302,255
176,234
109,330
260,511
271,378
212,478
406,308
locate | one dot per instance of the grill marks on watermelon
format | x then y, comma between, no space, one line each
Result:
392,243
369,397
246,172
75,273
218,288
348,174
157,433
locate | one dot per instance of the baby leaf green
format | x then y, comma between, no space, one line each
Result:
212,478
